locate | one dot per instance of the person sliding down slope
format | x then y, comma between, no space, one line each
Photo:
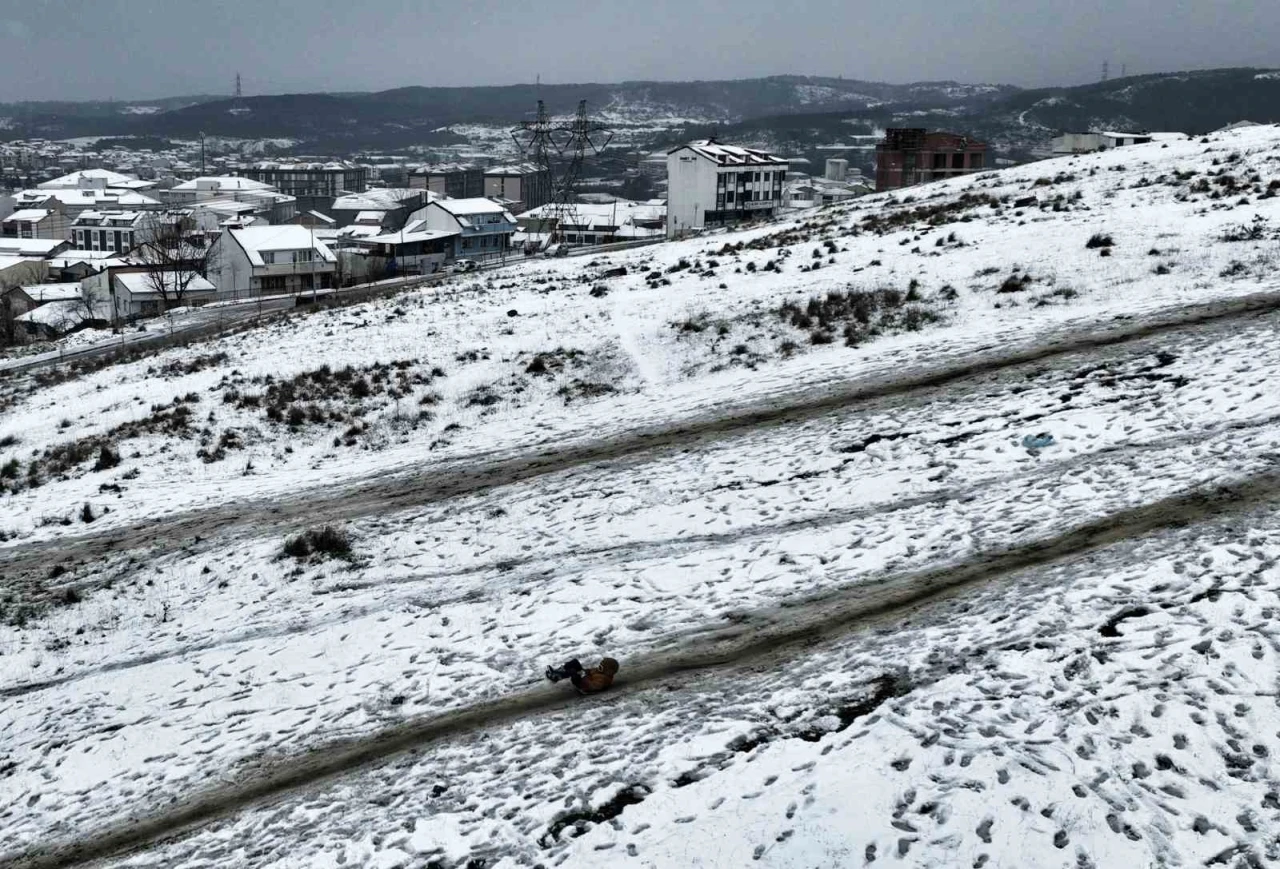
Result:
587,681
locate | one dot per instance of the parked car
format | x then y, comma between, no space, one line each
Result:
466,265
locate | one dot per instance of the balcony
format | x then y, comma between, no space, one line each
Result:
317,266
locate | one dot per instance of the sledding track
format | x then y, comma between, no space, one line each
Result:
770,636
25,567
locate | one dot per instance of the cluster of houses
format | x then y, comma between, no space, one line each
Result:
96,246
101,246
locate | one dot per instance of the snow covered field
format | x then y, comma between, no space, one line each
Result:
879,733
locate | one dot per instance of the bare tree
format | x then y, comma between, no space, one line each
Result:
8,318
175,255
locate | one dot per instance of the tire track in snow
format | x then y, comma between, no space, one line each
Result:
533,567
767,637
25,568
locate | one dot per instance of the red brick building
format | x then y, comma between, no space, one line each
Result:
908,157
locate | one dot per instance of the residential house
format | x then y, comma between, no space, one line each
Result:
454,180
591,223
76,265
50,223
1087,143
96,179
393,205
910,156
75,201
115,231
271,259
484,226
525,185
711,184
212,187
415,249
130,292
33,248
810,192
231,195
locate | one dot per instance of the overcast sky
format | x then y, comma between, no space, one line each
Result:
133,49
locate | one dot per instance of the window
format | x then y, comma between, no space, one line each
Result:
302,256
975,161
729,197
269,257
939,161
957,161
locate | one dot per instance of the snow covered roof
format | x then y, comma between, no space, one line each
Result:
30,246
377,199
304,167
256,239
86,197
466,207
730,155
96,177
61,315
80,255
35,214
97,261
370,216
140,284
620,213
52,292
413,232
220,183
322,217
107,218
518,169
9,261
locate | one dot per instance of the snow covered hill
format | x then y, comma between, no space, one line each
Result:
783,474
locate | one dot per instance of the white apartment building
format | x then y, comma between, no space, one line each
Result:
710,184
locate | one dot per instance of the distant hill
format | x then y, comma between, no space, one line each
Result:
409,115
1020,123
792,113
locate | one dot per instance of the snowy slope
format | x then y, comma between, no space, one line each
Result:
190,669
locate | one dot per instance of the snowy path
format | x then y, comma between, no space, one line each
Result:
28,565
693,564
778,635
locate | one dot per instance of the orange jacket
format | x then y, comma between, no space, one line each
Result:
595,679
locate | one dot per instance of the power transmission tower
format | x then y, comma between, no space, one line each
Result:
1106,70
238,93
560,150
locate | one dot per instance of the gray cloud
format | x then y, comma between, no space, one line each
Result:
131,49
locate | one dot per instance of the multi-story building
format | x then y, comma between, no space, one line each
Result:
710,184
525,185
36,223
454,180
910,156
311,180
116,231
